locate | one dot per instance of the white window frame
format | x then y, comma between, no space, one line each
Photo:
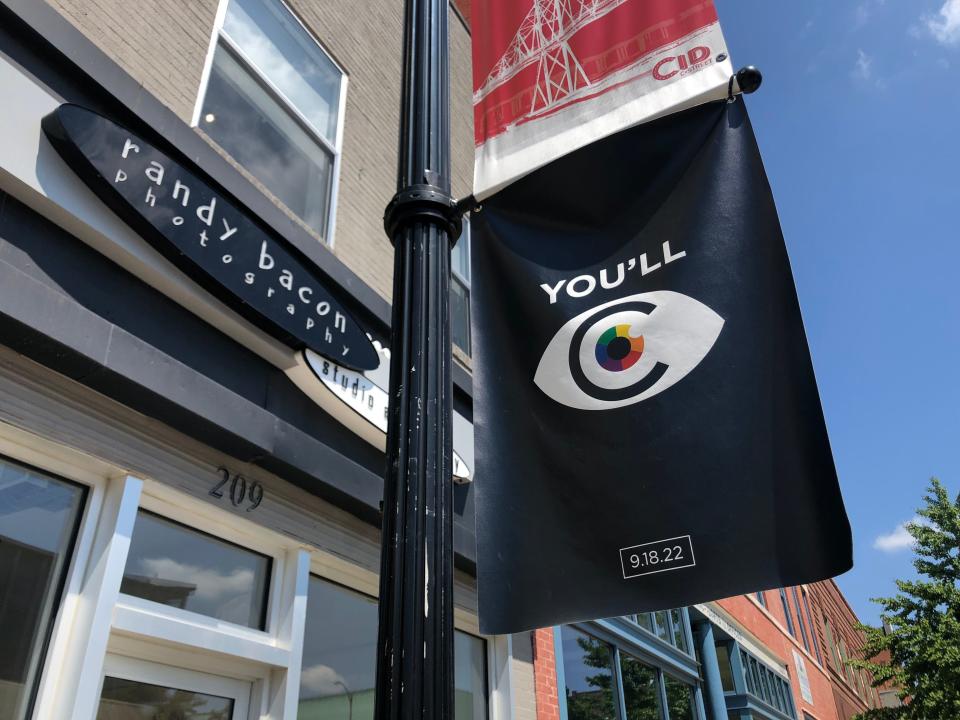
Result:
128,668
335,147
95,623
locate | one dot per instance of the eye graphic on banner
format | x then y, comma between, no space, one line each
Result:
627,350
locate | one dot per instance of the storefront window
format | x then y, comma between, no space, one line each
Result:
39,516
273,103
641,692
174,565
679,632
763,683
132,700
470,677
338,669
679,699
339,664
588,673
726,669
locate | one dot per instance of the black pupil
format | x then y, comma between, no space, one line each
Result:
618,348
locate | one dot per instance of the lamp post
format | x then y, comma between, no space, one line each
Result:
415,639
349,697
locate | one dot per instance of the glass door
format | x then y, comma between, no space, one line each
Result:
139,690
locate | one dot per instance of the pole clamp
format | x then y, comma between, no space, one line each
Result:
423,203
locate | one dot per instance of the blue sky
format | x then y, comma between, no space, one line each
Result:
858,120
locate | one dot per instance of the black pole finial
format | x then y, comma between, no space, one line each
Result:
749,79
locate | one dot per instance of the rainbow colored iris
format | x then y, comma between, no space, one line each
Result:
616,350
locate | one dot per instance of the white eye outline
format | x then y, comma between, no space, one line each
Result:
678,333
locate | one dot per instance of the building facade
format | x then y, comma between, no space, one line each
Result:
189,508
189,504
773,655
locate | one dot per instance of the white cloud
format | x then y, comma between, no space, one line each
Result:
865,11
899,539
322,680
210,584
945,25
863,68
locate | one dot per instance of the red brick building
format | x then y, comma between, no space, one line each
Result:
774,655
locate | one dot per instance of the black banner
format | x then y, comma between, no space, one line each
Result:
648,429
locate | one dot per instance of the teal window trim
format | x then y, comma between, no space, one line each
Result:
558,667
758,688
624,635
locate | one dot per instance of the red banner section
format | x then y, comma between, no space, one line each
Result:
563,49
541,59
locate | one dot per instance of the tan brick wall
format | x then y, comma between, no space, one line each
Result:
522,677
163,44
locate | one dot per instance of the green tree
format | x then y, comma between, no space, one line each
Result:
923,621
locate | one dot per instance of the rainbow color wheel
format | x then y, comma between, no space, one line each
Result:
616,350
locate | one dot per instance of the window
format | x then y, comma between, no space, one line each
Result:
174,565
273,101
679,699
641,691
813,632
766,685
762,598
786,612
803,627
588,674
726,669
834,652
678,633
338,670
666,625
139,690
460,290
39,517
120,698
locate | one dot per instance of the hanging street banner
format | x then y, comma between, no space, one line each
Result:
648,429
551,76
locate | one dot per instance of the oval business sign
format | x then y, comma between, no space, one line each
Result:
217,243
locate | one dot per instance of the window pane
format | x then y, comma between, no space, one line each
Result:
645,620
131,700
588,672
460,254
247,122
339,668
285,53
660,620
38,523
460,315
679,636
726,669
176,566
339,654
679,699
641,693
470,677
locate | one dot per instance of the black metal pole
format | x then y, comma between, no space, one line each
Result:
415,640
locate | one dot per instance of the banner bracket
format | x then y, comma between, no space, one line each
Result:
423,202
